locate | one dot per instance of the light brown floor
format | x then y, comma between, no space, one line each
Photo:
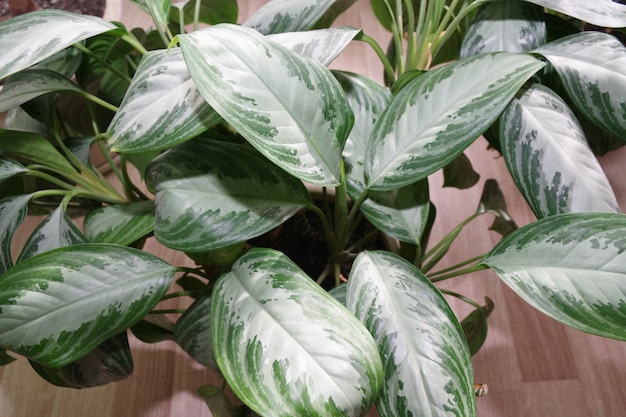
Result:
533,365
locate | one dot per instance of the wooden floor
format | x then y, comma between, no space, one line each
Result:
533,365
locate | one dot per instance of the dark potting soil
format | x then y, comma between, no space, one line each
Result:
91,7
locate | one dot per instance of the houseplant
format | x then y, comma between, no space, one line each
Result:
231,174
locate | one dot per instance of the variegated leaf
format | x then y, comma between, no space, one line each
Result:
61,304
333,12
108,362
55,231
10,168
27,85
64,62
212,194
428,369
279,16
33,148
285,346
12,212
510,26
162,107
439,114
323,45
570,267
549,158
193,331
121,224
288,106
158,10
604,13
48,32
592,66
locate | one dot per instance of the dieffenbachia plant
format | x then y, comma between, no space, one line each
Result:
231,126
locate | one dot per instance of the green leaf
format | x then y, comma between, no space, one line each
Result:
161,108
159,10
285,346
592,66
27,85
492,201
210,12
438,115
109,362
280,16
288,106
48,32
460,174
213,194
122,224
323,45
548,156
12,212
193,331
92,292
510,26
428,369
475,326
154,328
10,168
5,358
219,404
570,267
55,231
604,13
34,148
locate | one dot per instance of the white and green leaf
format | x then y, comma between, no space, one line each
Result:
158,10
55,231
592,67
162,106
193,331
288,106
570,267
604,13
428,369
549,158
435,117
212,194
34,148
285,346
48,31
280,16
12,213
121,224
59,305
10,168
510,26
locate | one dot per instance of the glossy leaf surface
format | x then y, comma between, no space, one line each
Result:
280,16
548,156
91,292
48,32
121,224
440,113
592,66
288,106
34,148
193,332
427,364
604,13
10,168
570,267
12,212
285,346
213,194
27,85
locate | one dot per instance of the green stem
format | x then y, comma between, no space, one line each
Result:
389,72
440,249
462,298
129,184
130,39
411,38
193,271
330,237
475,268
101,61
168,311
196,15
101,102
107,155
457,266
32,171
179,294
348,225
363,240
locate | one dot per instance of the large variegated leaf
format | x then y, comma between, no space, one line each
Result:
159,10
592,66
323,45
122,224
604,13
511,26
27,85
161,108
193,331
108,362
288,348
279,16
286,105
440,113
47,32
428,369
213,194
549,158
333,12
9,168
33,148
55,231
61,304
12,212
571,267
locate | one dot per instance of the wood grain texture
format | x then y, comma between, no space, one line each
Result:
533,365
